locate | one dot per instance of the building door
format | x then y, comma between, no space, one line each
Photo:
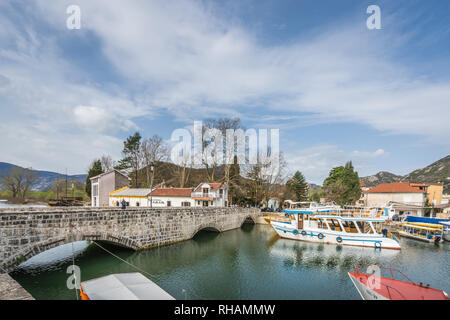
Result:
300,221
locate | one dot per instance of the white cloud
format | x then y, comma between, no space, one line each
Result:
316,162
194,63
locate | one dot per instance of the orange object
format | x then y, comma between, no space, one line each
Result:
83,295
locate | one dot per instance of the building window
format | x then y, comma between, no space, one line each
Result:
128,204
95,190
137,204
169,203
211,203
186,204
198,202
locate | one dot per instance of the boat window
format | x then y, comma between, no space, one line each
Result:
334,225
350,227
322,224
365,227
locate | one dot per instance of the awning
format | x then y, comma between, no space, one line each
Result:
124,286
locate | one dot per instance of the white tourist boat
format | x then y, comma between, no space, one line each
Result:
351,227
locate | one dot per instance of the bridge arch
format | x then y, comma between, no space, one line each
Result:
248,219
37,248
207,227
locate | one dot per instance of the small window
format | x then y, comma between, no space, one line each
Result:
128,204
169,203
137,204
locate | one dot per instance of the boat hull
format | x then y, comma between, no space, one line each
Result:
365,292
337,238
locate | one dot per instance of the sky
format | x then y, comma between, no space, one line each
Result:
336,90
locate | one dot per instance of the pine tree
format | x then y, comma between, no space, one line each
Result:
95,170
299,186
131,156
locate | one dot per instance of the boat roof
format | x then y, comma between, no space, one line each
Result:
424,226
124,286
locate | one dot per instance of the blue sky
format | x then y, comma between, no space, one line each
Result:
336,90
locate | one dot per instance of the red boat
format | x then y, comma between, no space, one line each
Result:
373,286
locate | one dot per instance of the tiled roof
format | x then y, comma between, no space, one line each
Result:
172,192
214,186
108,172
131,192
402,187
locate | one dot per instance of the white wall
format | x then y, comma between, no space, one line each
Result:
143,202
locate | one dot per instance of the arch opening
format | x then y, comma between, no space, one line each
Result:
248,220
35,250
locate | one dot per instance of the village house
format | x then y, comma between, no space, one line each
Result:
204,195
401,197
211,195
103,184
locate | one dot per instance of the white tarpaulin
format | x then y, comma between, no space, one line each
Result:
124,286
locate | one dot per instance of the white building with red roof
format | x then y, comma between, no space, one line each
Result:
211,195
402,197
204,195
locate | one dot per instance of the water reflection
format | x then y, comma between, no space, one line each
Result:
247,263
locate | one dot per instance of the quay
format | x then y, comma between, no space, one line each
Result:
11,290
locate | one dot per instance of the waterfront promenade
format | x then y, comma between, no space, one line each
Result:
25,233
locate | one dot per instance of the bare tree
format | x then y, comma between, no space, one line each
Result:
153,150
218,147
107,163
19,181
183,169
29,177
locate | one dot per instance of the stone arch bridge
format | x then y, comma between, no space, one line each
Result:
25,233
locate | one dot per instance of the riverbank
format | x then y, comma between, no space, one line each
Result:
10,289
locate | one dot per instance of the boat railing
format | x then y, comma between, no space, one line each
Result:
388,287
277,217
391,271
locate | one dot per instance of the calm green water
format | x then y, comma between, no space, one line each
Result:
247,263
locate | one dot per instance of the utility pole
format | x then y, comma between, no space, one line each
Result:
152,169
66,182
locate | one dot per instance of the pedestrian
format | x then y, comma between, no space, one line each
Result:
124,204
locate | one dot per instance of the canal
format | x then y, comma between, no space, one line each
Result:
247,263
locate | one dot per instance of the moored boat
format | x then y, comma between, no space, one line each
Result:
335,226
122,286
372,285
427,232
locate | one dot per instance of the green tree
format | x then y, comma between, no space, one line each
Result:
298,186
95,170
342,185
131,156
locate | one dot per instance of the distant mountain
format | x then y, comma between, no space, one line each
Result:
46,178
379,178
314,186
437,171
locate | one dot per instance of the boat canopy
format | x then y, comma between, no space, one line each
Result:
424,226
123,286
